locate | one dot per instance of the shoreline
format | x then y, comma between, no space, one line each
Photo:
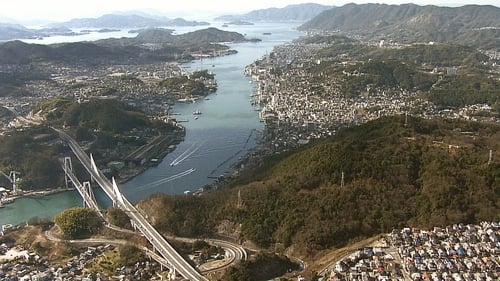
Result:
239,159
9,199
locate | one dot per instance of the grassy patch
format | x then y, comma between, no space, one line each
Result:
106,263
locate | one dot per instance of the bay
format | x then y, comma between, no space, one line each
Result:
47,206
225,130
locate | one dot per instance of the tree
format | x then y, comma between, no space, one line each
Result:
237,273
130,254
78,222
118,217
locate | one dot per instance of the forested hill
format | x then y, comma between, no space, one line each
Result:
104,124
425,173
167,47
471,25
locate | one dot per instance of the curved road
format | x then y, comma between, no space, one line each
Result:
234,253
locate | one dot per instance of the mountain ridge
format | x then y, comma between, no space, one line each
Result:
363,181
126,21
476,25
124,50
9,31
298,12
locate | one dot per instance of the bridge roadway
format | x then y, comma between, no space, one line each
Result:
159,243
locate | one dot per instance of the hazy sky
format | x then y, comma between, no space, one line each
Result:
62,10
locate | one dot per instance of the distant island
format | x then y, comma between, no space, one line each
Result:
102,30
239,22
16,31
127,21
105,23
300,12
150,45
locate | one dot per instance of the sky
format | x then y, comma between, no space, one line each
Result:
63,10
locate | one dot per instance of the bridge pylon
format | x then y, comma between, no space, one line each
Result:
88,189
94,166
68,166
118,194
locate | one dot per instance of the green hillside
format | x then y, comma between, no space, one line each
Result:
411,68
34,153
476,25
101,115
150,45
427,173
112,129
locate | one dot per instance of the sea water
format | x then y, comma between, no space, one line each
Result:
214,142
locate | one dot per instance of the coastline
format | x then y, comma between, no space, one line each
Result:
32,193
130,173
232,122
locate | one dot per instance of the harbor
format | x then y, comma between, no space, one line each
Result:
221,132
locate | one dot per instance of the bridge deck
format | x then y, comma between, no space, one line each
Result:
159,243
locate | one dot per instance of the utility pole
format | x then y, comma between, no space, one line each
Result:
239,205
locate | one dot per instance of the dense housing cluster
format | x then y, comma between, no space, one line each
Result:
462,252
299,99
459,252
19,264
136,85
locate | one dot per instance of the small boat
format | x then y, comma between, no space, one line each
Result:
197,112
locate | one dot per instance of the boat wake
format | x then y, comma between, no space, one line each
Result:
190,151
167,179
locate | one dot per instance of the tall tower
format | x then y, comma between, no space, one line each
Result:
12,175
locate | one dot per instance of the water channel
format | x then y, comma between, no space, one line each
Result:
214,142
